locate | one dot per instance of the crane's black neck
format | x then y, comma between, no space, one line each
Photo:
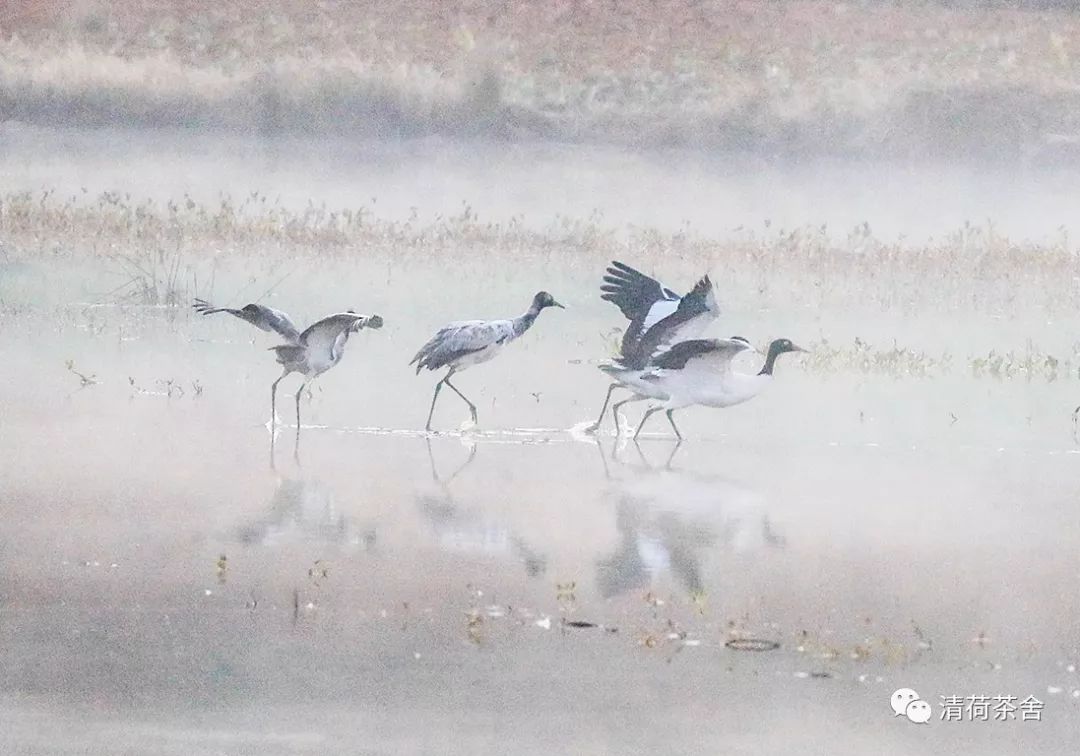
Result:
770,360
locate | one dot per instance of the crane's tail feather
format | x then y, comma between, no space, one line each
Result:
288,353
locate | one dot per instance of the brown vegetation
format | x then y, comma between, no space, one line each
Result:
779,78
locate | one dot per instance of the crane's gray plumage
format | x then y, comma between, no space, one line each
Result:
458,341
311,353
262,317
465,343
658,318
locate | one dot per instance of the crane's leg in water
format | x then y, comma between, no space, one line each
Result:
472,407
617,405
648,413
596,426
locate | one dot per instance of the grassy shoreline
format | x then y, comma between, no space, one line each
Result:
779,79
974,269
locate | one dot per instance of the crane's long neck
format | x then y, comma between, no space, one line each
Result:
770,361
524,322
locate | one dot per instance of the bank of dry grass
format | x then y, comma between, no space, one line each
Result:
780,78
973,269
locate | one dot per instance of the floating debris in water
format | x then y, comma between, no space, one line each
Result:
925,643
84,380
752,644
318,571
579,623
473,623
221,568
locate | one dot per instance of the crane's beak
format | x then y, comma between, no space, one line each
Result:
796,348
556,304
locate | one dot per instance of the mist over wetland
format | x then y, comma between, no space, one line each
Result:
896,511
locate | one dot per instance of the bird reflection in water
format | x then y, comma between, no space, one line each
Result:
305,510
457,529
671,521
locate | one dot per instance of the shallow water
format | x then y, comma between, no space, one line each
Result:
171,582
395,592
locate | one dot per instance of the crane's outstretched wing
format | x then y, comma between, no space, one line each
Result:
457,340
714,355
324,334
262,317
643,301
695,311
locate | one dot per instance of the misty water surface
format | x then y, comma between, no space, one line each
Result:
168,587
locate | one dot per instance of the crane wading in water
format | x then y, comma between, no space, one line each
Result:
700,371
466,343
658,318
311,352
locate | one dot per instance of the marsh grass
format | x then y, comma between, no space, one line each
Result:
157,252
898,361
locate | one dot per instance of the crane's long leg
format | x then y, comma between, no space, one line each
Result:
615,410
472,407
299,393
648,413
434,398
596,426
273,399
672,421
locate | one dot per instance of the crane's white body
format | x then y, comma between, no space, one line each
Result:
697,385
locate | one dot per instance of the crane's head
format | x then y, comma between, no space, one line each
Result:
365,321
542,300
782,346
